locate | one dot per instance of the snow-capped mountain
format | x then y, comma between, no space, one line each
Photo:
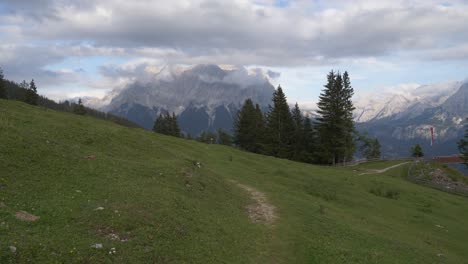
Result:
205,97
398,125
409,100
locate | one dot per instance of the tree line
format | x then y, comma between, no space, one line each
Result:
281,132
27,92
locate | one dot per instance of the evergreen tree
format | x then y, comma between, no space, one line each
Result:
31,93
224,138
158,124
416,151
370,147
463,146
279,126
298,136
3,94
350,143
335,125
79,108
167,125
175,130
244,127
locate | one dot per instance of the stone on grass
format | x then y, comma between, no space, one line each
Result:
12,249
98,246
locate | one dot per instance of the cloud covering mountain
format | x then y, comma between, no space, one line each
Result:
205,97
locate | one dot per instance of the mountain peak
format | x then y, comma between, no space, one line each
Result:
206,91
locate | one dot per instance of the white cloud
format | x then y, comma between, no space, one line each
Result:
150,34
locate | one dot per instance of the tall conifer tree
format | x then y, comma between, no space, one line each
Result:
31,94
280,126
463,146
335,124
79,108
350,133
3,94
175,126
167,125
298,136
244,127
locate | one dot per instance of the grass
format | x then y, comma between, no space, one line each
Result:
171,211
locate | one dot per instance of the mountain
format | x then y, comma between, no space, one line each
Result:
402,122
398,102
205,97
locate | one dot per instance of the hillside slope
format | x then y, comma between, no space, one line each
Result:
94,182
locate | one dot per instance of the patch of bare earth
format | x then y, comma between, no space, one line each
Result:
25,216
439,178
112,234
261,211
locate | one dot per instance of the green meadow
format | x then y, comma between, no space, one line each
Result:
111,194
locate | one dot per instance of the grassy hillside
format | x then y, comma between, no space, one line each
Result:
94,182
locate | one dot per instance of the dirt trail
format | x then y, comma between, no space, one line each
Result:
261,211
385,169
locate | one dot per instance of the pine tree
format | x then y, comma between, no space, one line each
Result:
244,127
167,125
175,130
79,108
3,94
350,143
463,146
416,151
31,94
280,126
224,138
298,136
335,125
158,124
370,147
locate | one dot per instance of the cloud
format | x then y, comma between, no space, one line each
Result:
301,33
265,33
432,93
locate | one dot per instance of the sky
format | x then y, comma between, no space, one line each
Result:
89,47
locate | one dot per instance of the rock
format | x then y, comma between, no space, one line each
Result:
12,249
112,251
25,216
98,246
100,208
